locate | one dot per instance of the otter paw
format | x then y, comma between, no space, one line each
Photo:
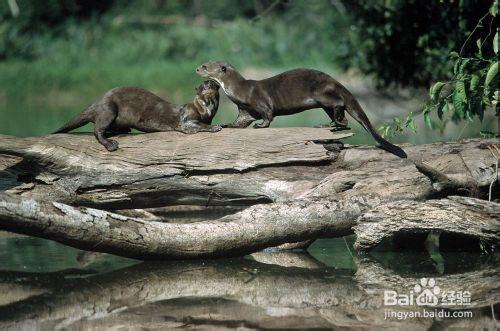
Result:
112,145
216,128
340,128
261,125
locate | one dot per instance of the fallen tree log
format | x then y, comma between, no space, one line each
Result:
232,167
245,232
316,191
457,215
242,233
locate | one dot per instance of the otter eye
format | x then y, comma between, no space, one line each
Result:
223,69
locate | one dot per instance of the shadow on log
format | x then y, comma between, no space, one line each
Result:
237,293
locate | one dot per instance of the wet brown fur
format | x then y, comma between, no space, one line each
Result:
124,108
289,93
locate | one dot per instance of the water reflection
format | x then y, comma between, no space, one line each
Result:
268,290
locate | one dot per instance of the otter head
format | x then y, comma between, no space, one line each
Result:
219,71
207,100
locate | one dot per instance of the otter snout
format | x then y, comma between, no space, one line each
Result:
201,69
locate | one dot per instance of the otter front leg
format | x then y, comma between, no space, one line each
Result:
194,127
267,117
243,120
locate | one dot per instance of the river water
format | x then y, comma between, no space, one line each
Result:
48,286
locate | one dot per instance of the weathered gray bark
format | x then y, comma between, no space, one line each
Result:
242,233
234,293
457,215
230,167
316,192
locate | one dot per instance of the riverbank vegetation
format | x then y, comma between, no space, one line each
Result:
59,55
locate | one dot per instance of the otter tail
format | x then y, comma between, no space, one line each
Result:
77,121
355,110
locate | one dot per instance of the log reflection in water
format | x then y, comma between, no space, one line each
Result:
232,293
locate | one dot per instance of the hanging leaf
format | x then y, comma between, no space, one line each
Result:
456,66
463,65
427,119
492,72
435,91
494,8
442,110
474,82
459,99
495,43
460,90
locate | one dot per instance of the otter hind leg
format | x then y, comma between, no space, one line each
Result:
337,116
113,130
103,121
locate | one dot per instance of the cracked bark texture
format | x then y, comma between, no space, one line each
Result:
298,184
457,215
167,168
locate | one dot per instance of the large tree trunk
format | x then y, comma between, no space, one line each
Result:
298,182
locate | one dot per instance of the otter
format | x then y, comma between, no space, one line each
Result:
289,93
124,108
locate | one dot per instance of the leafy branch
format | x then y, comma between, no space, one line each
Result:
471,91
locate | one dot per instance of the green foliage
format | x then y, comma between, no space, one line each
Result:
473,86
406,43
175,30
397,126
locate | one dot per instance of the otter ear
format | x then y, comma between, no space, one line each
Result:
223,68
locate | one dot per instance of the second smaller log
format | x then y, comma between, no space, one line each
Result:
456,215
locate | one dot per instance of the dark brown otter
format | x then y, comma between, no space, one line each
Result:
289,93
124,108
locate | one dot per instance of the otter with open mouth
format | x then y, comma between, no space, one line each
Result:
124,108
289,93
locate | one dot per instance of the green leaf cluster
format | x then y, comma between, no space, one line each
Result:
473,87
472,90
